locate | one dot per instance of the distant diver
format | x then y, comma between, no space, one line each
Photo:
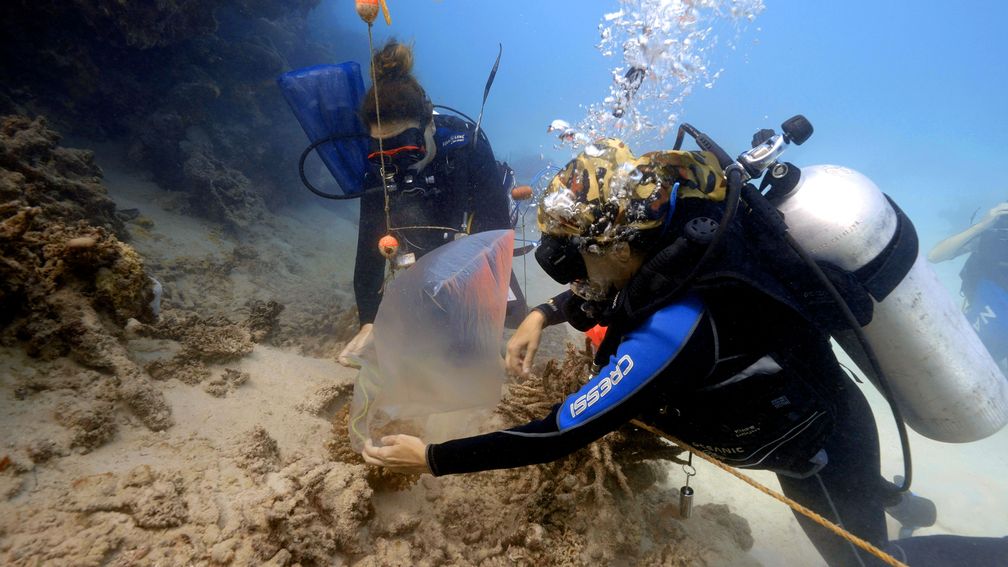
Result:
984,277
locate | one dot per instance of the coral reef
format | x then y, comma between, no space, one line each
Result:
189,84
67,283
308,512
63,183
226,383
257,452
206,341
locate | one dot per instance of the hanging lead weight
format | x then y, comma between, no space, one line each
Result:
685,502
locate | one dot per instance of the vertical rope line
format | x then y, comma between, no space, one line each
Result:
381,145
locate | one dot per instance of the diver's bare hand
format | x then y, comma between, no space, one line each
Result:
522,346
399,453
356,346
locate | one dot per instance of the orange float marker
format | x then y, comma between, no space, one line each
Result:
388,246
521,192
367,10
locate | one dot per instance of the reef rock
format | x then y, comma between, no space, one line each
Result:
188,84
67,283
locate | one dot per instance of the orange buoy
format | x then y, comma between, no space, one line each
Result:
367,10
388,246
521,192
596,334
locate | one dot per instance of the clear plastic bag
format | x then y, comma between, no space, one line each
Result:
434,366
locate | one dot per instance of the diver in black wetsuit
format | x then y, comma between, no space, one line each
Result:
732,364
439,176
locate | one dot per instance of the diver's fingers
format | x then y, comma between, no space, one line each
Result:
392,439
386,455
372,454
513,355
530,353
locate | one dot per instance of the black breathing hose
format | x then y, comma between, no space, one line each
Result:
304,179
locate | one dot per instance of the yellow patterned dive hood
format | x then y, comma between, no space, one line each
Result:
605,194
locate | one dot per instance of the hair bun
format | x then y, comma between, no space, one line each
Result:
393,61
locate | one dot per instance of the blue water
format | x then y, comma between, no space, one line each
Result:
909,93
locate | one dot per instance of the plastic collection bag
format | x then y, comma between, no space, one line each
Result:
435,363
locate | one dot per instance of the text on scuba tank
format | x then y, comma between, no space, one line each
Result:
605,385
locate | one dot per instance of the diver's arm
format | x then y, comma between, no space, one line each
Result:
675,341
566,307
369,269
958,244
553,310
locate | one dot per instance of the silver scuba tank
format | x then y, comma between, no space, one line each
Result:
946,383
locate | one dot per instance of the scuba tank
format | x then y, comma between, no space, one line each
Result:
946,383
932,364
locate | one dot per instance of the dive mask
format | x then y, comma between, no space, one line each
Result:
397,153
561,259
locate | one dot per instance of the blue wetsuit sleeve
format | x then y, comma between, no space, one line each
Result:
675,341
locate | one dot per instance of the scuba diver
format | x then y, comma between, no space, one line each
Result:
441,175
984,277
731,364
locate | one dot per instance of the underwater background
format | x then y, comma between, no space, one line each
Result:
150,140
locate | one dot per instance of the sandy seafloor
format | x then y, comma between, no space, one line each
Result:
212,462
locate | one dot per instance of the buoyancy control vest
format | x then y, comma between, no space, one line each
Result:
462,179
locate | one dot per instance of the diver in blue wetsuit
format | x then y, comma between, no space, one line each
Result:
984,277
441,181
732,364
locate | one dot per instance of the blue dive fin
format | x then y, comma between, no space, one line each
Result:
325,99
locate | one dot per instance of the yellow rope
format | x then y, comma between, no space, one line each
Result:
888,559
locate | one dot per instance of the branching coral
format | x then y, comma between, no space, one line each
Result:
613,463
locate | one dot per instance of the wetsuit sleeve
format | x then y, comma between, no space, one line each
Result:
677,341
553,309
486,197
369,269
566,308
